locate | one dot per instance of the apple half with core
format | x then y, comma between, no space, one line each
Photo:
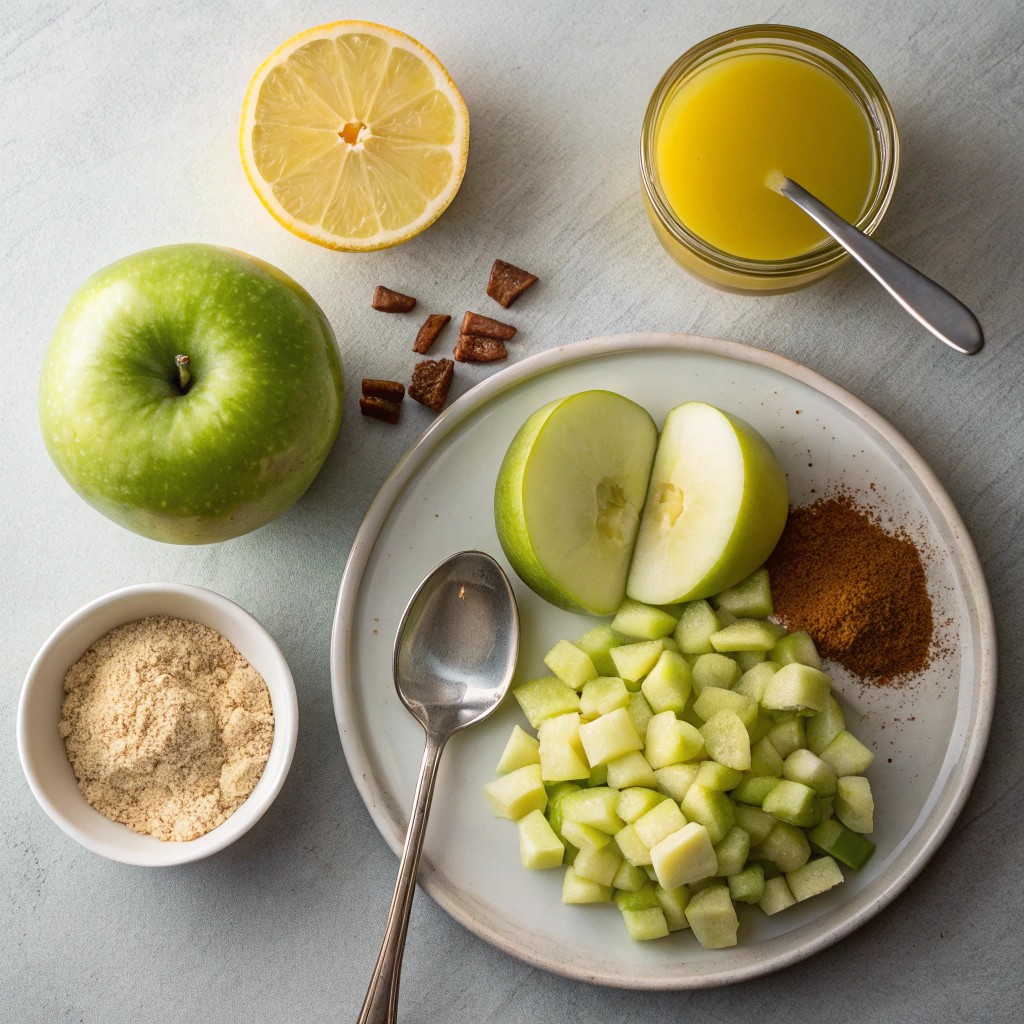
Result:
191,393
716,505
568,498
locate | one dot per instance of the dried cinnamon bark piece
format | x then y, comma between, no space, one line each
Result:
432,327
485,327
388,301
471,348
389,390
380,409
431,380
507,283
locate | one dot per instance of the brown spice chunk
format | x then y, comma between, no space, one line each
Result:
389,390
507,283
485,327
471,348
431,380
388,301
432,327
380,409
859,591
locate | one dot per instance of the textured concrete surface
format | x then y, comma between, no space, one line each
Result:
118,130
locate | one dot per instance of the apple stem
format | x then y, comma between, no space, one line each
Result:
184,373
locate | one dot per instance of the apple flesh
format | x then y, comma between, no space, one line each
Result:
716,505
206,450
568,498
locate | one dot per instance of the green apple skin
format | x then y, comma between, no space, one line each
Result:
248,436
618,438
722,541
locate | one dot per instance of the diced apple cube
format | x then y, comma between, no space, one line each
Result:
696,624
824,727
788,736
714,670
796,649
668,684
598,865
640,714
609,737
545,698
675,780
634,802
539,847
570,664
785,846
712,775
582,890
803,766
793,802
747,635
629,878
522,749
712,917
748,885
711,809
798,688
750,599
594,807
814,877
753,682
670,741
776,895
855,806
630,770
674,903
684,856
643,621
634,661
715,699
628,842
727,740
755,822
597,644
660,821
601,696
846,755
562,755
516,794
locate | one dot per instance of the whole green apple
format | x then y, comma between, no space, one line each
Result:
198,449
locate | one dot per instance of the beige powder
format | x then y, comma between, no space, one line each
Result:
167,727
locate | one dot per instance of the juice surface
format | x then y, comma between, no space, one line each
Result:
737,120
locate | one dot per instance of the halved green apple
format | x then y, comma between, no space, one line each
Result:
716,506
568,498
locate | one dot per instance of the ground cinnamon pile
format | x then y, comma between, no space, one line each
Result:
858,590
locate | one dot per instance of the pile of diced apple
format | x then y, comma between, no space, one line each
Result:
687,758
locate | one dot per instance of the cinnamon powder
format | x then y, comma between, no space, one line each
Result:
858,590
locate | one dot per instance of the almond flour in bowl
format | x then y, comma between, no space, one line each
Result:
167,727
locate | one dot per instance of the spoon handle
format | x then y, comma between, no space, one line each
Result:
381,1003
929,303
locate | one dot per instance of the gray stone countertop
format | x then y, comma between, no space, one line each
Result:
118,131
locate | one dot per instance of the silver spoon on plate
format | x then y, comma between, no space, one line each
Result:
455,654
927,302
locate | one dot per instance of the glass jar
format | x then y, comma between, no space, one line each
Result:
761,277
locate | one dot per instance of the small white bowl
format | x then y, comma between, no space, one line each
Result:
41,748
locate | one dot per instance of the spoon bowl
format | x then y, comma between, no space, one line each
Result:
455,654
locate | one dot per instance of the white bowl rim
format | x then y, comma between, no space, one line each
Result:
286,717
815,935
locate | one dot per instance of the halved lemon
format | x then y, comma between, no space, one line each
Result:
354,136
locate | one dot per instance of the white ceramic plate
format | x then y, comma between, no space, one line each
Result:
929,737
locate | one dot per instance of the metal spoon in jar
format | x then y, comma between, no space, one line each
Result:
928,303
454,657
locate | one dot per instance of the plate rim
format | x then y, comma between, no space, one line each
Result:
358,761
